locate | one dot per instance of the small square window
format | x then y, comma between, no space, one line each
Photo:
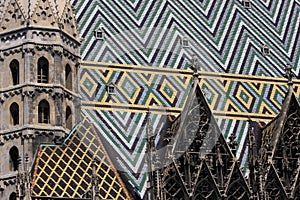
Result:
247,4
185,42
99,34
111,88
265,50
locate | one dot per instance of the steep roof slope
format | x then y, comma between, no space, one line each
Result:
66,171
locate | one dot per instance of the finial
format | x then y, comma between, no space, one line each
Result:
232,143
195,66
289,74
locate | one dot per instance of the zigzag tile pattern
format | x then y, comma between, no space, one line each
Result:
224,36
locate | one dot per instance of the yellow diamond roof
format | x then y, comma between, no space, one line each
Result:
65,171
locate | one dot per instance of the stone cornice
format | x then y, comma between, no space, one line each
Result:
31,132
20,32
30,90
30,47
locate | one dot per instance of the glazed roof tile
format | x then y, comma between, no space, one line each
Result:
65,171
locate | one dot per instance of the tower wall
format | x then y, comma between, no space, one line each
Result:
39,100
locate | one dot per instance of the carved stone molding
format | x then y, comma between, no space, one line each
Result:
12,93
47,48
28,136
46,90
12,51
57,50
2,186
2,99
68,96
8,182
28,49
46,133
1,140
70,55
14,37
1,56
29,92
12,136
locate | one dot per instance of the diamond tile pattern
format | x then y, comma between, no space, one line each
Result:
65,171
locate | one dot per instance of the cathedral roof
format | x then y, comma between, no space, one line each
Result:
66,171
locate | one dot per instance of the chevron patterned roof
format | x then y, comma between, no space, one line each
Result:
241,51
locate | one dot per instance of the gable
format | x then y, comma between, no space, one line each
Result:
44,15
13,17
68,21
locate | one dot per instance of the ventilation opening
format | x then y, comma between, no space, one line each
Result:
44,112
43,70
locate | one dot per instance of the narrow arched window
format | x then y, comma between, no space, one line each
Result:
68,77
69,118
13,158
14,114
44,112
15,71
43,70
13,196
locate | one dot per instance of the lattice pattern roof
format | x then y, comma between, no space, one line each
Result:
65,171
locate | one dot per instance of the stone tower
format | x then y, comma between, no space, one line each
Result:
39,100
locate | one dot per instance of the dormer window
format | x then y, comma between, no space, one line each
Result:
99,34
185,42
111,88
247,4
265,50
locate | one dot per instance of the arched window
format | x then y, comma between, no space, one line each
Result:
68,118
15,73
14,156
13,196
44,112
43,70
68,77
14,114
